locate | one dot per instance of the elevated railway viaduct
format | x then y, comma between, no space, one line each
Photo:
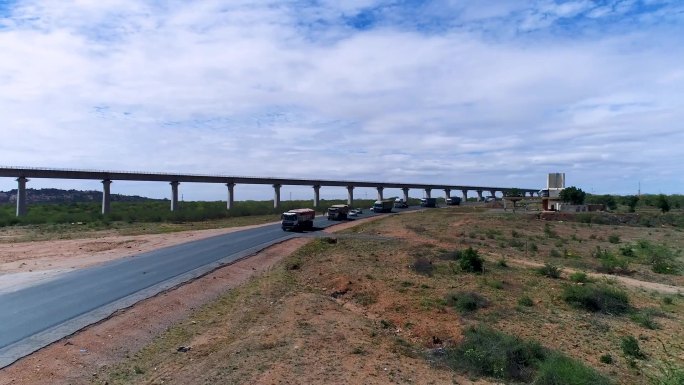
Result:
24,174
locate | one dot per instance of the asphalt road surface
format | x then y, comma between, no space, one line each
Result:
35,316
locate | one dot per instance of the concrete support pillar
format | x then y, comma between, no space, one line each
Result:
492,193
406,197
350,195
317,195
230,201
174,195
380,193
106,196
479,195
464,194
21,196
428,191
447,194
276,196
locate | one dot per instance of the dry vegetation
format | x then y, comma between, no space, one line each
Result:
393,301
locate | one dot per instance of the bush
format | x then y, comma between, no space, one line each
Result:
661,258
550,271
606,359
630,347
597,298
471,261
466,301
645,318
525,301
484,351
491,353
614,238
422,265
579,277
611,263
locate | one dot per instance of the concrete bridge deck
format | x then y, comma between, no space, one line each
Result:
23,174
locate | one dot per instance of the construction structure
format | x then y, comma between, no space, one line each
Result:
551,200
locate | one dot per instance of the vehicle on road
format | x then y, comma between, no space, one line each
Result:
400,204
338,212
359,210
297,219
490,199
353,213
428,202
383,206
453,201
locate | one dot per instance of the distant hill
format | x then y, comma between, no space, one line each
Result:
53,195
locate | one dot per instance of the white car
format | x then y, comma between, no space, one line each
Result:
352,213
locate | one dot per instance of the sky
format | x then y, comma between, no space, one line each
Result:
497,92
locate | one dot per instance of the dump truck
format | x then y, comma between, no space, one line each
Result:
297,219
383,206
453,201
338,212
428,202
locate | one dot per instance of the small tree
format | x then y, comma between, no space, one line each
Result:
632,201
573,195
662,203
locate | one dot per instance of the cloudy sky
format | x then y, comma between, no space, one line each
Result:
496,92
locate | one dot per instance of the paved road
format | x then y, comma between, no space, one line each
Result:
36,316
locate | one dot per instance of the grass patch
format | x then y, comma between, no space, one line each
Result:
597,298
561,370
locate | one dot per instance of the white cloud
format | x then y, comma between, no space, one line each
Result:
238,88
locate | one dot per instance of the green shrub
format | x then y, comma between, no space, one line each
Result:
561,370
606,359
645,318
525,301
471,261
630,348
661,258
550,271
614,238
611,263
579,277
486,352
597,298
466,301
491,353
